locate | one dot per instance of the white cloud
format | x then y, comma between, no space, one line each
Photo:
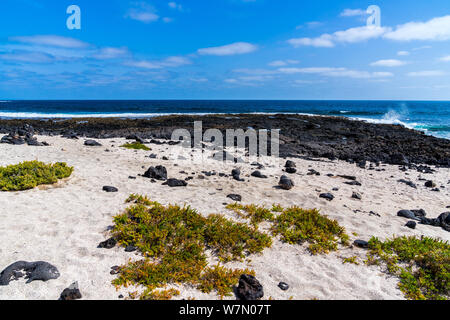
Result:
388,63
351,35
28,57
145,17
159,64
427,73
324,41
110,53
436,29
199,80
175,61
228,50
52,40
403,53
353,13
445,59
142,12
176,6
359,34
337,72
282,63
310,25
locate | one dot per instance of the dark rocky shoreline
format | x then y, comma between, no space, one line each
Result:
300,136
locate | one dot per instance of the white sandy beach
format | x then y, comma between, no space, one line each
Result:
63,224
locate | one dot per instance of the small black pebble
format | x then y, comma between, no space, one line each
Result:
361,244
283,286
411,224
130,249
110,189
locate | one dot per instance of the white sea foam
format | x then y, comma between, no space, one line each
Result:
38,115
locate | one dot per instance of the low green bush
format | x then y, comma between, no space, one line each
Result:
296,226
136,146
422,264
174,240
30,174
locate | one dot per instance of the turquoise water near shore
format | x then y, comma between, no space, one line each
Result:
432,117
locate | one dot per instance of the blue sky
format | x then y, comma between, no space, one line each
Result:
225,49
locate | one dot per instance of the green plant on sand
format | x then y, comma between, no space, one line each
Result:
30,174
422,264
296,225
136,146
173,241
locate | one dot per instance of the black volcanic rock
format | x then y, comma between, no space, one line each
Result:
40,270
175,183
92,143
108,244
110,189
71,293
249,288
327,196
286,183
258,174
235,197
158,173
300,135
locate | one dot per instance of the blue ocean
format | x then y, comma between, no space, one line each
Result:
432,117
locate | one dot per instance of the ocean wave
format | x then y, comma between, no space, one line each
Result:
39,115
434,128
4,101
355,113
42,115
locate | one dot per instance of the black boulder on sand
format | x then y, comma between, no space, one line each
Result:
412,214
236,174
249,288
39,270
327,196
235,197
110,189
286,183
71,293
108,244
290,164
258,174
361,244
92,143
158,173
175,183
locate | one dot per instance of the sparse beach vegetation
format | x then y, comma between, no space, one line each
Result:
422,264
174,240
30,174
136,146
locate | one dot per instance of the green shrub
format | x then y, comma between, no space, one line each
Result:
297,225
174,239
136,146
422,264
256,214
231,240
30,174
220,279
160,295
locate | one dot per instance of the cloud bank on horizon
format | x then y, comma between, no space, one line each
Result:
229,49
